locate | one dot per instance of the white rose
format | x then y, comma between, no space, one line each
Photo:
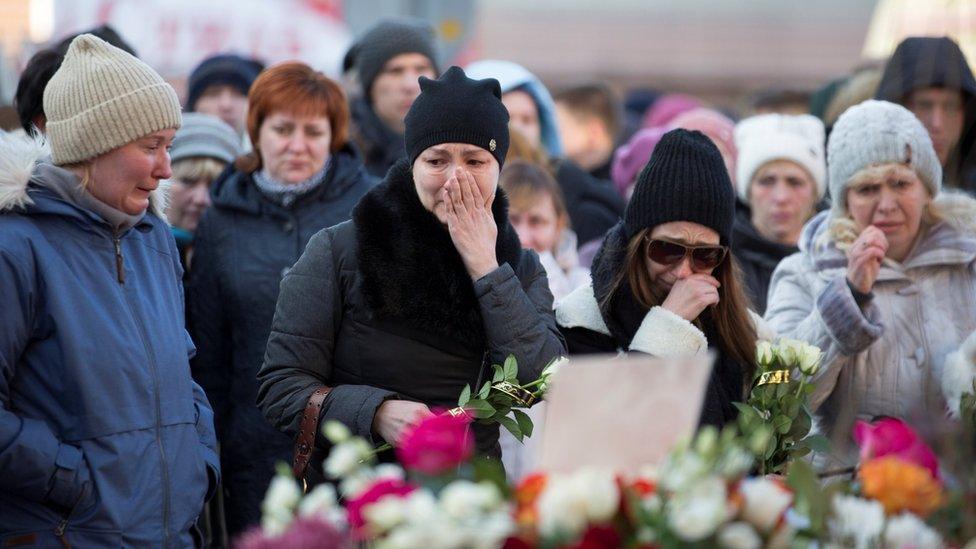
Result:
697,512
788,352
681,470
388,471
810,358
347,457
764,353
738,535
422,507
463,499
856,521
278,507
336,432
707,440
765,502
569,503
907,531
734,462
385,514
550,371
320,501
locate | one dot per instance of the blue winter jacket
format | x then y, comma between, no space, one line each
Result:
105,440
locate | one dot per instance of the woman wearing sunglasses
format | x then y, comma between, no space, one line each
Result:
885,282
664,282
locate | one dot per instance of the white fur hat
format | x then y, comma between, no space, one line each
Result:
879,132
767,137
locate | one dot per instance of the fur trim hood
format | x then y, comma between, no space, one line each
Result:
19,157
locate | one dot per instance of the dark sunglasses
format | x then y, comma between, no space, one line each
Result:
703,258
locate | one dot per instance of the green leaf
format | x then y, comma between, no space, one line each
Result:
512,426
499,374
524,422
480,409
782,424
465,396
491,470
818,443
485,389
810,500
511,368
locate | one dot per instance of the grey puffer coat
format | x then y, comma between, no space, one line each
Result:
886,356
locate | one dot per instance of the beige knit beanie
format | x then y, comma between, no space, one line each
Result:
102,98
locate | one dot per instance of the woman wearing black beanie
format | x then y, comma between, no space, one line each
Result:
664,282
392,313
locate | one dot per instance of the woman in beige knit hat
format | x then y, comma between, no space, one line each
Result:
105,440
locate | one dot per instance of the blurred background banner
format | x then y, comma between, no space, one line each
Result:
895,20
174,35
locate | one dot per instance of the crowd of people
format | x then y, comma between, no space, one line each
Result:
191,289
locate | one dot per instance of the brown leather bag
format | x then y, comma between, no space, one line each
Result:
309,427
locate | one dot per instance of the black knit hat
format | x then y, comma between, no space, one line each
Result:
685,180
384,41
457,109
229,69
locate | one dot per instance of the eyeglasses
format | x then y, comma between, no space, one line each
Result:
703,258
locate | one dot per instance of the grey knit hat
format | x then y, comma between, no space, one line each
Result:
102,98
206,136
386,40
878,132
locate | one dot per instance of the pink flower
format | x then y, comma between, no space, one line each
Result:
891,436
379,489
304,533
437,444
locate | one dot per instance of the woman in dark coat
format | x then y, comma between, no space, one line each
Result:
300,179
426,287
664,282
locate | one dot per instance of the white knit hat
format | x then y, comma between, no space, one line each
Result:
767,137
879,132
102,98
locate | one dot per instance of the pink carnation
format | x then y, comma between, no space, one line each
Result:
303,533
437,444
379,489
891,436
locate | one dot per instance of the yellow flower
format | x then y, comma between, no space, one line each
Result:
900,485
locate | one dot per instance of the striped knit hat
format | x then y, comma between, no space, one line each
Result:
102,98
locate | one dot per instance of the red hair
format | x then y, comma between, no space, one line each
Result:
294,87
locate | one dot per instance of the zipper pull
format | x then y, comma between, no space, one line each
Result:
119,264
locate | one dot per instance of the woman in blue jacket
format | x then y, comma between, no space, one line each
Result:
105,441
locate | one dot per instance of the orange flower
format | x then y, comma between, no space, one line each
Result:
526,495
900,485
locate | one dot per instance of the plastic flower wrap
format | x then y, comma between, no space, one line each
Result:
776,416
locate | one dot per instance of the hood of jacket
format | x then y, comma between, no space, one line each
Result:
27,189
511,77
235,190
947,242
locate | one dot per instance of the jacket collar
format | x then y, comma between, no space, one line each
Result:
747,243
411,271
235,190
27,185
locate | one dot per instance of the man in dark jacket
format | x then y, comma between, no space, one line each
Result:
387,61
930,76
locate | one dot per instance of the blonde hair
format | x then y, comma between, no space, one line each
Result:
955,208
196,168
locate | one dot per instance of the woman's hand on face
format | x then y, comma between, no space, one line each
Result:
864,258
690,296
393,417
471,224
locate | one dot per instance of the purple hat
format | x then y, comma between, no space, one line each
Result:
663,111
631,158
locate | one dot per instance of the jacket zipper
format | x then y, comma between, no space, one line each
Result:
120,268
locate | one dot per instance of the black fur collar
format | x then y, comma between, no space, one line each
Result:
410,269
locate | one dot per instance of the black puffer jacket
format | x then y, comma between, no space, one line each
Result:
382,307
593,204
244,245
379,146
927,62
757,257
625,325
